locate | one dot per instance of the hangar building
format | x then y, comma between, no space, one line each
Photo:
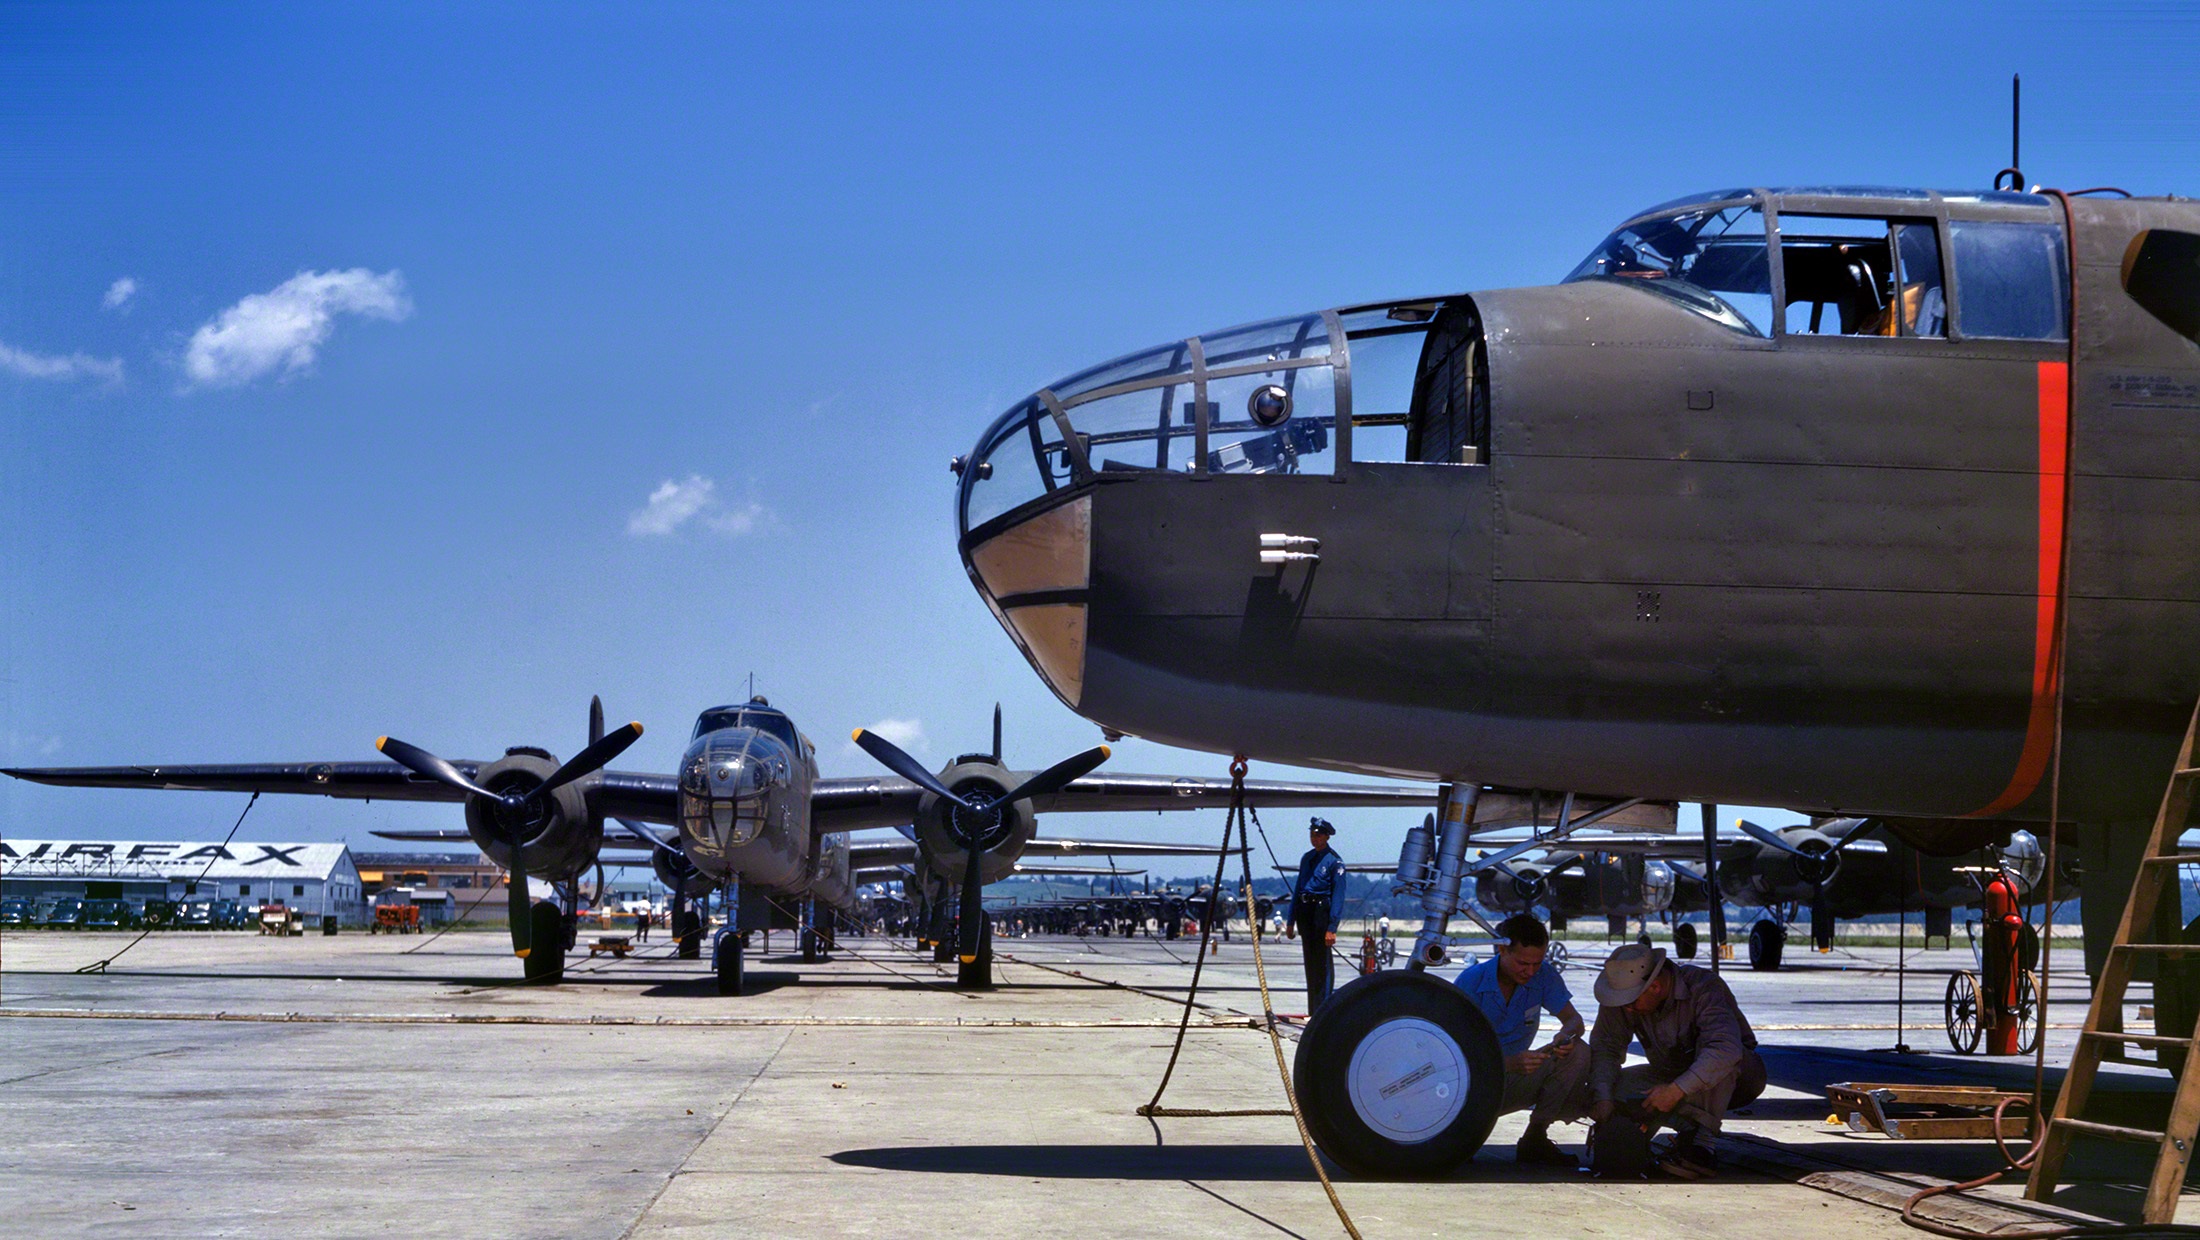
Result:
317,879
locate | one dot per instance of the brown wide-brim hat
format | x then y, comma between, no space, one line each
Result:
1627,972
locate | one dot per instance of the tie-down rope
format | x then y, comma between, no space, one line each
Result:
1153,1109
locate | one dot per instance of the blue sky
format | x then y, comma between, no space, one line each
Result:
423,307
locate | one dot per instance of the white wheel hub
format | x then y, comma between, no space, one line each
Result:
1407,1079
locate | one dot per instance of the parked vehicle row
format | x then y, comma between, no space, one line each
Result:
75,913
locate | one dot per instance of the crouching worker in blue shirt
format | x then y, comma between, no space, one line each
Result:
1513,989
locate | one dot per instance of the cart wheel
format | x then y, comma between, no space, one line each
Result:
1964,1028
1556,956
1386,953
1399,1076
2031,1017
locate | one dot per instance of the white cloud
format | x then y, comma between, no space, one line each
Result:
675,503
905,733
55,366
119,293
284,327
25,744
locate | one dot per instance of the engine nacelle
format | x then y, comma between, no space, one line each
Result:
562,835
676,872
1003,839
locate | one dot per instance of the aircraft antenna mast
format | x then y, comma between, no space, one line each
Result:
2014,173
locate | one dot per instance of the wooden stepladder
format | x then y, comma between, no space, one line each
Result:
2104,1036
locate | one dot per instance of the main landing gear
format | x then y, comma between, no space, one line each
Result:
977,974
545,959
1399,1075
1684,940
1767,939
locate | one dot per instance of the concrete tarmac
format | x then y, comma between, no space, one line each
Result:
227,1084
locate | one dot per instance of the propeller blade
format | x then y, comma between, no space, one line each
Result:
595,719
890,756
1052,779
518,907
996,731
420,762
644,833
588,761
1770,838
1856,833
973,906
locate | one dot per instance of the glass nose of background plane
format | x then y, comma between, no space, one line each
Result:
727,779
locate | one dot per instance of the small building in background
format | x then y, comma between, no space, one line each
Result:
316,879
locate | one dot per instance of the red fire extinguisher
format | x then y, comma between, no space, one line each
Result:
2004,931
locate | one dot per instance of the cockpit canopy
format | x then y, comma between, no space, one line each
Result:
1848,261
755,713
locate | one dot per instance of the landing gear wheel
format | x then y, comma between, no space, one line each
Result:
1684,940
1399,1076
2028,1012
1766,940
1961,1006
687,934
726,959
978,974
811,953
545,961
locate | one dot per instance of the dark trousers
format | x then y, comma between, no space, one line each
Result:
1311,917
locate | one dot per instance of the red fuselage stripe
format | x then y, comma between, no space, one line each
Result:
2039,724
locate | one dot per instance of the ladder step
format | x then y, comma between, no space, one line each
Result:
2111,1132
2173,859
2155,1040
2158,949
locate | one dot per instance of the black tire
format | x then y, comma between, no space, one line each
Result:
1400,1015
1766,941
1684,940
978,974
726,959
545,960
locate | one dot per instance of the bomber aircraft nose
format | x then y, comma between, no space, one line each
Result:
1167,523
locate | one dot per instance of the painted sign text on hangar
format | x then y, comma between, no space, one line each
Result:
167,859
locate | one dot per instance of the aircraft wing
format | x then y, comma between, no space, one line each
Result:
869,854
629,794
613,837
887,801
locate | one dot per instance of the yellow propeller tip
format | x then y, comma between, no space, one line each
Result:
380,741
637,726
969,959
520,952
1106,752
856,736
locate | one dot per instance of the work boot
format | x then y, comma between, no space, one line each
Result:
1688,1160
1535,1149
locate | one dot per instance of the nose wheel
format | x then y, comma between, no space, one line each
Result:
1399,1076
726,960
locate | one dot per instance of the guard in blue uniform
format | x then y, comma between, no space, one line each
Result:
1314,901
